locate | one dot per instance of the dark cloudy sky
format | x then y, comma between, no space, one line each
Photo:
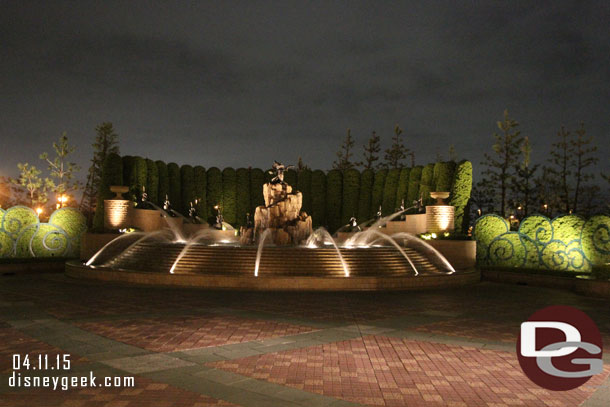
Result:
242,83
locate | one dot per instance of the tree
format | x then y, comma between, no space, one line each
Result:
397,151
36,187
62,170
499,171
106,142
583,155
370,152
344,155
523,185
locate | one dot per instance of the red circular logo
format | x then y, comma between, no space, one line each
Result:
560,348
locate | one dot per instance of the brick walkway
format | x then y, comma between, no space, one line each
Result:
198,348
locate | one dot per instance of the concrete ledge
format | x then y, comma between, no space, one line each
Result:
462,254
41,266
276,283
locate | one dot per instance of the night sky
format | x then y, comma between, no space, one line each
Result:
244,83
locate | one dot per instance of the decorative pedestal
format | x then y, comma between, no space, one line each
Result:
117,214
439,218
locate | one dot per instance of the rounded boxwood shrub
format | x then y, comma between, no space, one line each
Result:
257,179
556,255
175,186
16,219
187,187
461,188
390,187
214,176
152,181
42,240
163,182
334,187
487,228
71,221
6,244
112,174
243,196
403,187
595,239
351,190
567,228
443,175
304,185
364,200
318,198
511,250
414,181
538,228
200,180
290,177
427,184
377,193
229,195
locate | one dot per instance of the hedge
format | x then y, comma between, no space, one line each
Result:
427,183
243,196
390,187
290,177
175,186
318,198
187,181
152,181
414,181
377,193
364,201
443,175
304,185
128,164
403,188
214,190
334,181
229,195
112,174
200,180
139,177
163,181
461,188
351,191
257,179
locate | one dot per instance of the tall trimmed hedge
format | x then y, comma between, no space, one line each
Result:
443,175
403,187
414,181
377,193
187,180
351,192
318,198
214,190
461,188
200,179
229,195
334,191
243,196
175,186
304,185
257,179
152,181
163,181
426,184
112,174
290,177
390,187
128,164
364,200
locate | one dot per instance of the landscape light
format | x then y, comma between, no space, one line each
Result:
39,210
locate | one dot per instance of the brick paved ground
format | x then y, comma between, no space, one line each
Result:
198,348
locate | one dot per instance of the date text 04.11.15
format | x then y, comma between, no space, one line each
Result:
41,362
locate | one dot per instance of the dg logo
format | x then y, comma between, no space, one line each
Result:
560,348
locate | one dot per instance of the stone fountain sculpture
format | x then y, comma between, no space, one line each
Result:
281,213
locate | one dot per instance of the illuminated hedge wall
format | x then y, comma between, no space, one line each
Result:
22,235
566,243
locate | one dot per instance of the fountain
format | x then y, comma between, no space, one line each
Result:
278,250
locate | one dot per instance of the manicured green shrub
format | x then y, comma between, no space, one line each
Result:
229,195
557,255
290,177
567,228
200,177
71,221
443,175
42,240
128,164
152,181
257,179
351,191
390,187
595,239
403,188
377,193
414,181
426,184
112,174
214,190
364,200
487,228
243,196
187,188
538,228
163,182
318,198
175,186
304,185
16,219
334,187
137,178
6,244
461,188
